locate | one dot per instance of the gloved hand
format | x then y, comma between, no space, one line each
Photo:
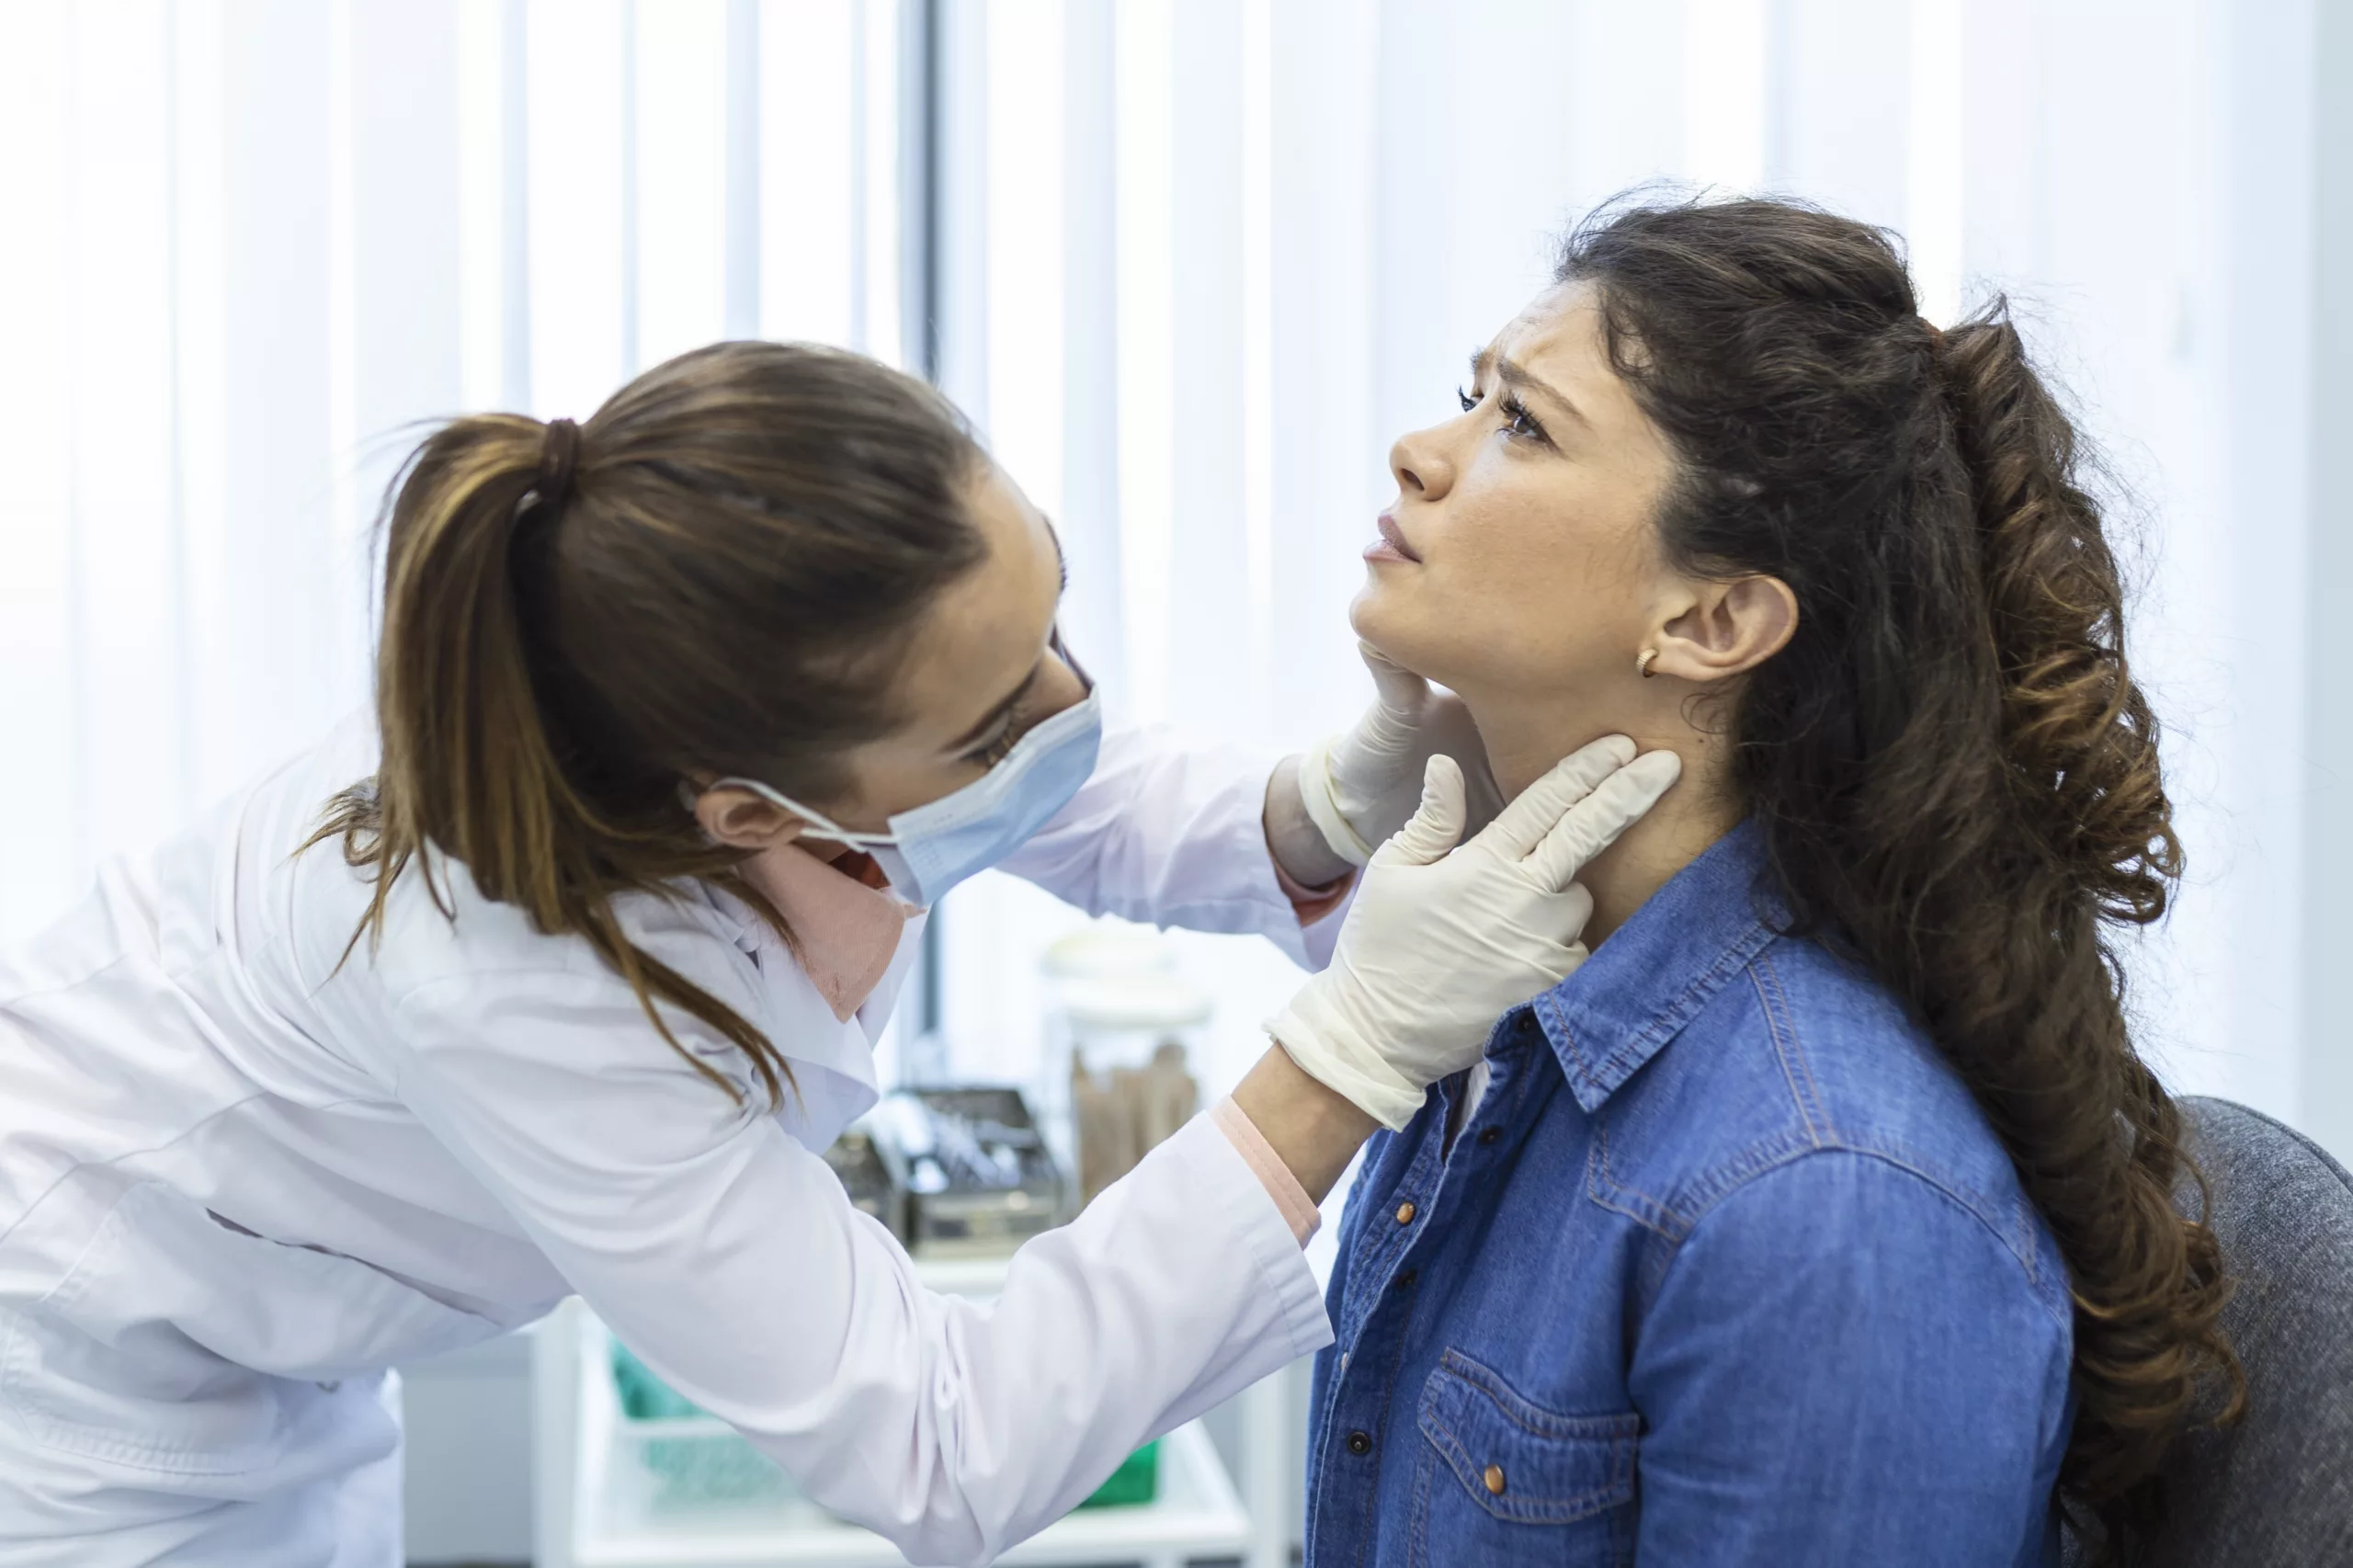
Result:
1359,788
1440,945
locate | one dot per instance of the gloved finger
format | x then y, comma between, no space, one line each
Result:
1401,691
1520,826
1594,824
1565,916
1437,826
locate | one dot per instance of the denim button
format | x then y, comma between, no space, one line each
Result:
1359,1443
1405,1280
1526,1026
1488,1136
1406,1212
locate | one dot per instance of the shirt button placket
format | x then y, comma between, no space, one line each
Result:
1524,1029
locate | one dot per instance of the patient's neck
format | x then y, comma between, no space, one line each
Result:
1524,740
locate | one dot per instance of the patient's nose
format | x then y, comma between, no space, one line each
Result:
1423,473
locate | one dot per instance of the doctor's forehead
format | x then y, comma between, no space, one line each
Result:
984,632
1017,531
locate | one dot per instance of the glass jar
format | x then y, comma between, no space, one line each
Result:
1124,1030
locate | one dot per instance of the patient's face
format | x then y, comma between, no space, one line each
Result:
1526,562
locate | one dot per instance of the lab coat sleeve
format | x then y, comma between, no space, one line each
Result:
727,1256
1171,829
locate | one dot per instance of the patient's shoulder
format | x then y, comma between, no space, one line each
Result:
1805,1053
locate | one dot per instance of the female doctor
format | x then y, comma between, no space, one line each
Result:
558,975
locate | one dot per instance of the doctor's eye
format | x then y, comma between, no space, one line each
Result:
996,750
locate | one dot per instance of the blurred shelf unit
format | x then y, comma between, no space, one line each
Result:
610,1493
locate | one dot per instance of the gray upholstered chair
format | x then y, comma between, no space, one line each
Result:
2276,1491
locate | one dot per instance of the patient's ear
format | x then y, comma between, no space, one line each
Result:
1726,628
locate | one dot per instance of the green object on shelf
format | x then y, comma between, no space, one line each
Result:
707,1469
690,1469
645,1397
697,1468
1136,1480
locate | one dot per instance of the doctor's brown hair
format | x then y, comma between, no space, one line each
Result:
709,578
1954,774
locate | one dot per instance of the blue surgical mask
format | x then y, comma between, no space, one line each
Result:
931,848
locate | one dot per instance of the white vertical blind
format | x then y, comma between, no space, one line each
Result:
250,245
36,608
1282,225
678,109
1200,261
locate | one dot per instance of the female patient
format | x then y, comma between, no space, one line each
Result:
1821,1217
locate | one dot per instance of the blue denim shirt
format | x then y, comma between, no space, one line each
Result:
1726,1267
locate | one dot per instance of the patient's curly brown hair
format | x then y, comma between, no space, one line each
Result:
1955,776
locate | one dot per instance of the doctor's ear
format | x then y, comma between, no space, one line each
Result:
1725,630
743,820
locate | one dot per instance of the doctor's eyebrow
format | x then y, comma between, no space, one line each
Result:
999,712
1061,562
1515,375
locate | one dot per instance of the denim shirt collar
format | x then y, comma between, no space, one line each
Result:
1658,970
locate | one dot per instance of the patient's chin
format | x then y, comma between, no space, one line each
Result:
1437,659
1377,618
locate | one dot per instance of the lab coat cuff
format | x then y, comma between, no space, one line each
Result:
1228,1181
1299,1210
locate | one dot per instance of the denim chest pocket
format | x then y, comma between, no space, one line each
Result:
1503,1479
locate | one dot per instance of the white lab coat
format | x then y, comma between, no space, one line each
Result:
241,1176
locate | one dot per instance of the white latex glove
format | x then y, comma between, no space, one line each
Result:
1359,788
1438,945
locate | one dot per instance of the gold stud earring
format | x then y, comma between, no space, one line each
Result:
1642,661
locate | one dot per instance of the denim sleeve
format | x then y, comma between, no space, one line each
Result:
1843,1364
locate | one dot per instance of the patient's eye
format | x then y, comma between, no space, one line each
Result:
1466,400
1518,421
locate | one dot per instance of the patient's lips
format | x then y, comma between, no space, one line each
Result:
1392,545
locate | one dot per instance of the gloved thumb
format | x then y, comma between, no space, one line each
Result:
1400,690
1437,826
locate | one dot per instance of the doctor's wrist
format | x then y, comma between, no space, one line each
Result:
1314,1130
1294,843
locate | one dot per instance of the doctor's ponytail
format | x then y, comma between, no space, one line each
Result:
702,580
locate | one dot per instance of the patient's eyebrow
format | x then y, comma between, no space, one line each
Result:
1516,376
